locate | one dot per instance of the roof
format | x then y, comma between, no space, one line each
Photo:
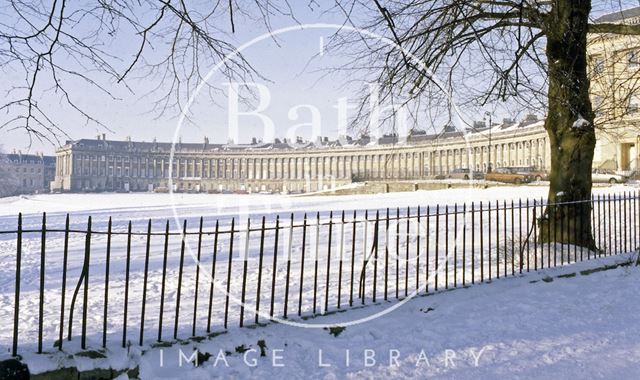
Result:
620,15
33,158
414,137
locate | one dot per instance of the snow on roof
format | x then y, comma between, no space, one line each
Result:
620,15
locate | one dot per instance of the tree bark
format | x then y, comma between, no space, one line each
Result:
569,125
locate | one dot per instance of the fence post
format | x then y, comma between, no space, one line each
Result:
504,234
620,225
16,310
481,244
446,247
520,242
326,298
418,252
577,216
426,276
397,251
353,256
197,284
608,218
64,280
213,276
549,234
473,243
535,250
315,259
226,303
106,286
260,260
435,267
43,239
624,218
244,272
275,266
464,243
406,255
565,211
180,270
164,277
455,245
497,239
126,289
86,285
637,214
303,248
600,226
144,283
513,240
289,248
339,262
363,277
489,238
386,256
376,237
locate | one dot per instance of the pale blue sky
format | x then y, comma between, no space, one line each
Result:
285,63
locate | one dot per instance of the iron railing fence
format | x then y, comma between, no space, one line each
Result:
138,286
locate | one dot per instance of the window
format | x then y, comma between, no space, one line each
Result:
598,102
634,102
598,65
633,59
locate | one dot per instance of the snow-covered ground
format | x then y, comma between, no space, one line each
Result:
139,208
537,326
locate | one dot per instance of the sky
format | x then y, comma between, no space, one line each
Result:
293,69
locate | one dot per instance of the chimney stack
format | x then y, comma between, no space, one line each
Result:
104,137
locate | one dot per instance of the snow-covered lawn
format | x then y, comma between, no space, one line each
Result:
538,326
139,208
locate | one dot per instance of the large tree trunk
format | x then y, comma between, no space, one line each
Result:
569,125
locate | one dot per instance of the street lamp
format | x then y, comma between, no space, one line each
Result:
488,114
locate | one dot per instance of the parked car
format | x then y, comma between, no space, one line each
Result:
603,175
538,175
463,173
508,175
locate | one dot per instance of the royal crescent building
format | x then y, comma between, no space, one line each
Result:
283,166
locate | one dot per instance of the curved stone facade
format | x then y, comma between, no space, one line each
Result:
101,165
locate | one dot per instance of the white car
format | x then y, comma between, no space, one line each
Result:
600,175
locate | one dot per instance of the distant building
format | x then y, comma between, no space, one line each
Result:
33,172
280,166
614,64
